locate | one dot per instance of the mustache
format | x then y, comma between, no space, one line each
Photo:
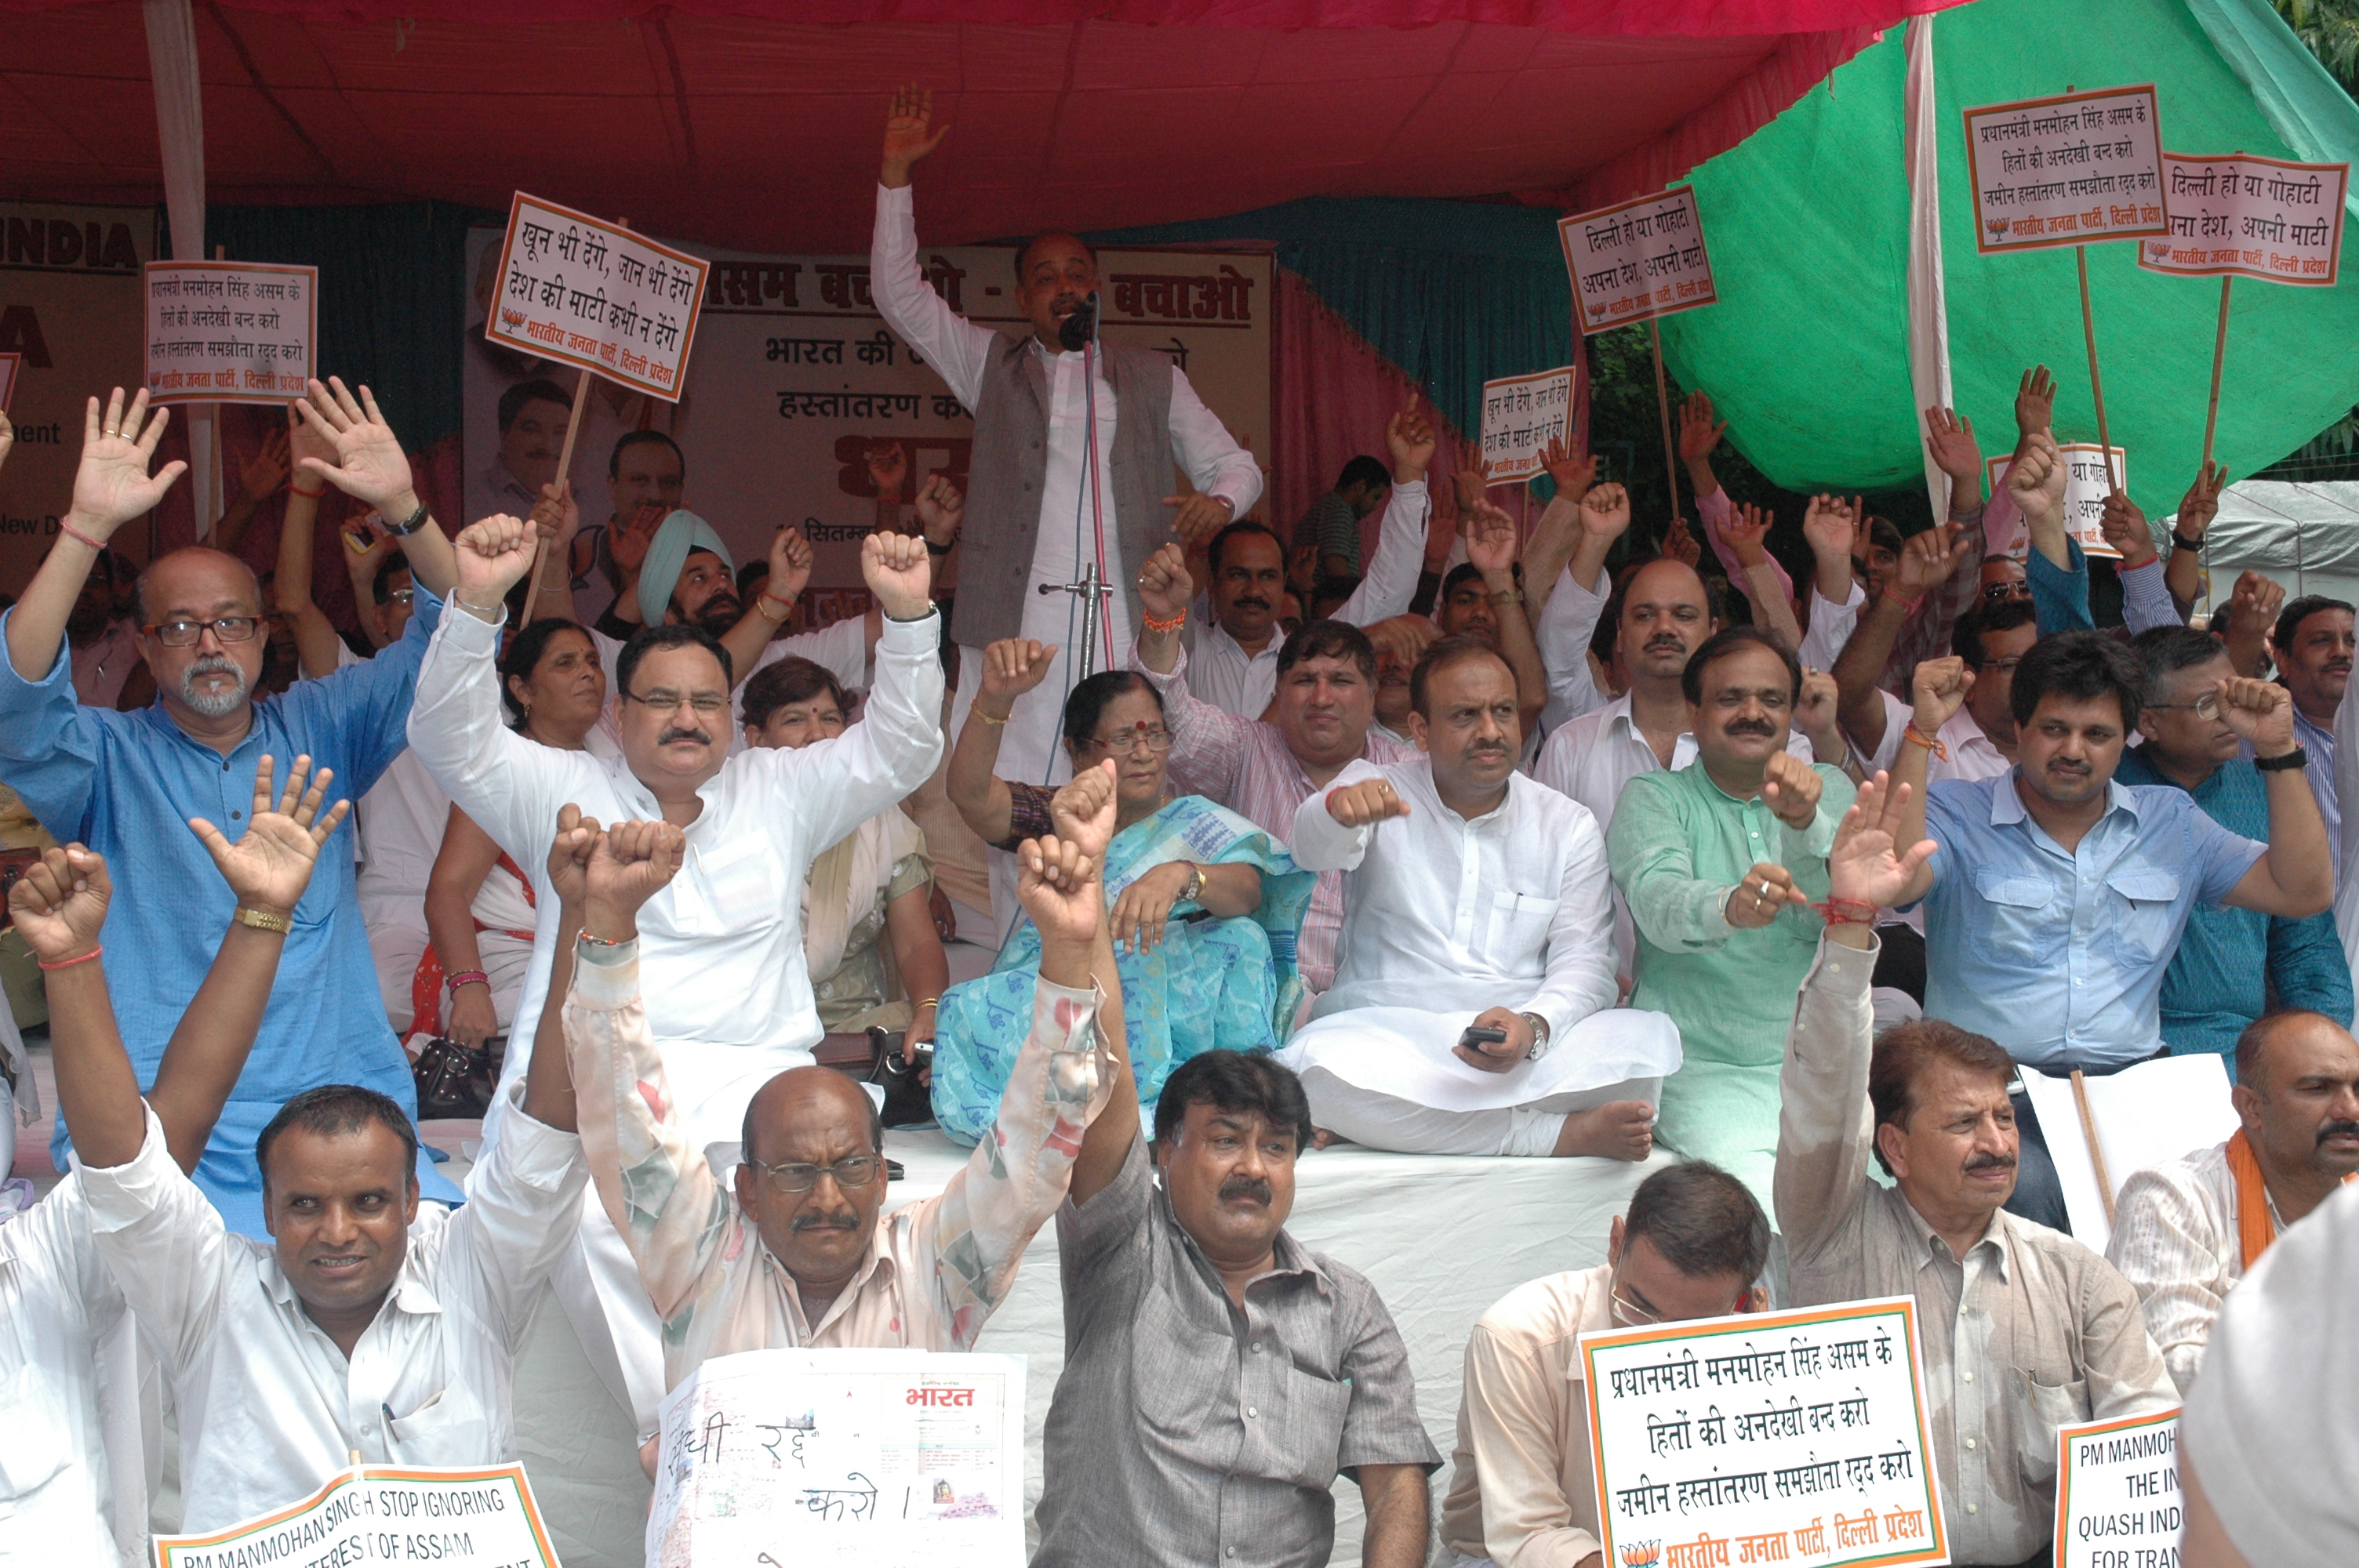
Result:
2066,765
1991,1163
1761,727
1253,1187
674,732
1249,602
2337,1130
1665,643
803,1222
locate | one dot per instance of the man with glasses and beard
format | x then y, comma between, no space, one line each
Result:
1523,1490
123,784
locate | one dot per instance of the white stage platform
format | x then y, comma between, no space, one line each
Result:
1442,1238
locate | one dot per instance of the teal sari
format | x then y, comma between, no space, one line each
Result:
1210,984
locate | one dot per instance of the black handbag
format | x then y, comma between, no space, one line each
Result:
455,1082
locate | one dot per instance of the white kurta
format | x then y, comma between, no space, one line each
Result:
1072,531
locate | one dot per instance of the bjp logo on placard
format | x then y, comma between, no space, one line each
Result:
2158,249
1641,1553
1997,227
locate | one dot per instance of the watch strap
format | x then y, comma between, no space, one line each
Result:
2297,758
264,920
407,526
2182,541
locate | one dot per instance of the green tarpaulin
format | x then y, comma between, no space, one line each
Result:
1807,351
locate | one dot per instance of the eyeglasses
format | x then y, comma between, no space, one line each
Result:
400,595
184,633
2204,706
2003,667
2000,592
664,701
794,1179
1156,740
1629,1312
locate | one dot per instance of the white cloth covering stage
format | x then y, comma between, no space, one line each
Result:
1442,1238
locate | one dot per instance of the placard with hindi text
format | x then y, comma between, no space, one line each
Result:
1521,414
2251,217
597,297
1637,259
230,331
2069,170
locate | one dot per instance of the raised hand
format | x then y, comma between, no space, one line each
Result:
941,510
261,475
1766,889
1164,586
898,574
1866,867
888,469
1410,440
60,903
1814,713
1012,666
1491,544
1678,544
1083,809
2034,403
494,556
908,134
1832,526
369,466
1605,511
1698,431
112,486
2036,479
629,864
569,855
1470,477
791,564
1057,883
2260,712
2125,528
556,518
1746,529
2253,603
1950,439
628,544
1573,474
1929,560
1940,688
1365,803
1198,517
1790,788
271,865
2202,502
1402,640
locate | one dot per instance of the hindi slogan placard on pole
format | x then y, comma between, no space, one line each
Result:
1638,260
2251,217
1521,414
2067,170
230,331
596,296
824,1457
1794,1437
2117,1501
2085,489
386,1513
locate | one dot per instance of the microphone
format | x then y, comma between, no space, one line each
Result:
1080,328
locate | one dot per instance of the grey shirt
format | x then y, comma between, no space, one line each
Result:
1186,1430
2027,1332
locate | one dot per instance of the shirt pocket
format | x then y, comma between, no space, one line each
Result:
1181,1378
740,888
2015,919
450,1428
1313,1433
1520,924
2145,910
2048,1406
34,1447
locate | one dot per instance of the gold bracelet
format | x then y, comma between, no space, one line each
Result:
766,597
987,719
263,920
932,1001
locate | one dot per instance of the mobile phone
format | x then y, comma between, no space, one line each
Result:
1479,1035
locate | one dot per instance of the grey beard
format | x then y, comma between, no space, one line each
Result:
218,704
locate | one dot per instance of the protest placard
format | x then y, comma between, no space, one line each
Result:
2085,489
1792,1437
386,1513
1638,260
2066,170
871,1458
230,331
597,297
9,365
1521,414
2251,217
2117,1502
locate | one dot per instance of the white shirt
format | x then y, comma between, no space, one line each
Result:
270,1409
57,1302
1511,908
1971,753
841,648
1568,621
1221,673
729,996
1070,532
401,822
1830,626
2174,1240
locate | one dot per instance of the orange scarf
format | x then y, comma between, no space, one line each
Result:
2254,1229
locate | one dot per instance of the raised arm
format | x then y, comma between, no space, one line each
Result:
1011,667
2184,575
1059,882
957,348
1746,530
2296,877
1491,544
1209,745
370,468
790,570
1567,624
112,486
2146,598
2251,616
316,641
1390,581
1558,534
259,477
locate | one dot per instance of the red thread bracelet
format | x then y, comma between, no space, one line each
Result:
1907,605
70,532
1846,912
307,494
1930,743
69,963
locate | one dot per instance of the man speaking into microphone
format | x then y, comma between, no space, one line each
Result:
1046,500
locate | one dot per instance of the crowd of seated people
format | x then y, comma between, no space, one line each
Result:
1541,854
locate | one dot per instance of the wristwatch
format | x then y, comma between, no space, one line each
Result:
2297,758
2183,542
407,526
1195,884
264,920
1539,1036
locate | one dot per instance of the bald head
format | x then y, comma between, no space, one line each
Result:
186,581
813,1124
2298,1096
801,1096
206,681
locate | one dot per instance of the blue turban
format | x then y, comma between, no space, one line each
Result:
667,552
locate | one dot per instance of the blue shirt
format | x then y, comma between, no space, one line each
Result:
2229,960
2318,740
2059,955
126,783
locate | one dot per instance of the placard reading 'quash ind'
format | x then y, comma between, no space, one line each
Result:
1795,1438
597,297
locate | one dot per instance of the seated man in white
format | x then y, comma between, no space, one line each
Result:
1523,1490
370,1324
2185,1232
1473,898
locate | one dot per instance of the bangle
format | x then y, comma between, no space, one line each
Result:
1846,912
264,920
1909,606
2297,758
996,723
2183,542
909,620
1164,628
1508,595
589,941
766,597
70,532
69,963
467,978
1932,743
933,1002
407,526
293,489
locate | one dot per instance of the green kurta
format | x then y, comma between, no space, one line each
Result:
1678,843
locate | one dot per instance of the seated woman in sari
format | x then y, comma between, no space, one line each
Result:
868,932
1205,906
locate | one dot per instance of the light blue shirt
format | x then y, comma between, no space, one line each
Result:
126,783
2318,741
2060,955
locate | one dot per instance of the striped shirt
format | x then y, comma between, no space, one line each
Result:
2174,1240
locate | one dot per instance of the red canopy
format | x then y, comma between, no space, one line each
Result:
754,125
